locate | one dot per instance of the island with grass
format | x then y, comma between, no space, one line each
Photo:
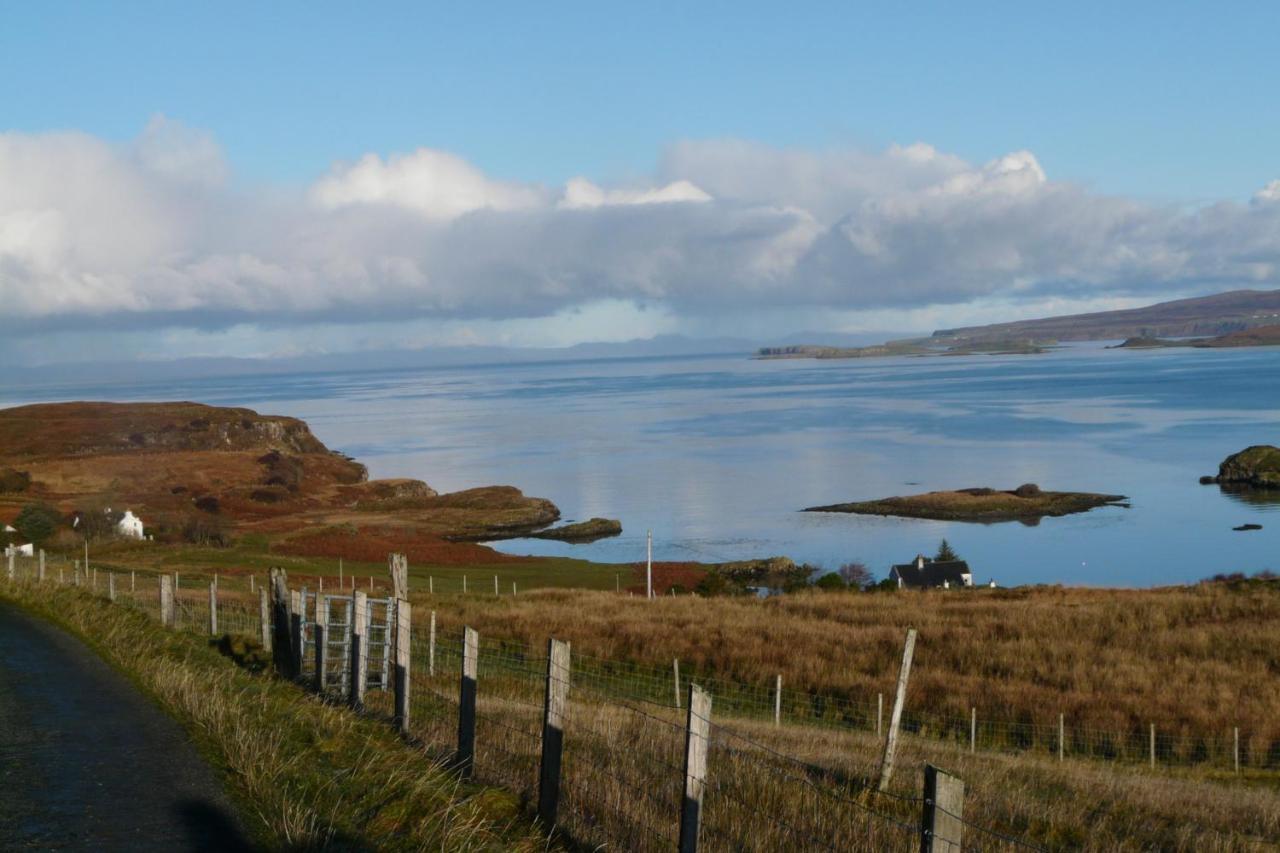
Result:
1027,503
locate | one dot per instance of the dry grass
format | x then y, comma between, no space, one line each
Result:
1195,661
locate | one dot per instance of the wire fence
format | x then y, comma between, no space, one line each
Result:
626,749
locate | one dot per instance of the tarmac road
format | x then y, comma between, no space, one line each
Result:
87,762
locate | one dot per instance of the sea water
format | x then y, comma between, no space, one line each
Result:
717,454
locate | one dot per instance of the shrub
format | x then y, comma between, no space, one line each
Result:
37,522
830,581
1027,490
856,574
14,481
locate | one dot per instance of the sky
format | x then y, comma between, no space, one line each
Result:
235,178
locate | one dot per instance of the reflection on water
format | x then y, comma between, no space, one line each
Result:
717,454
1265,499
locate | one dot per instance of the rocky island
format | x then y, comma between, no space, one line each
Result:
1256,467
1027,503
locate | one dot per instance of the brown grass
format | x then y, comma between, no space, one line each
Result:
1195,661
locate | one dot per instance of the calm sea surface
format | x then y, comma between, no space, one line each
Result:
716,454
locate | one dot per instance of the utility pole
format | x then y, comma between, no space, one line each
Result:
648,566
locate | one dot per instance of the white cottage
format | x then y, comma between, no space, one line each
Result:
130,525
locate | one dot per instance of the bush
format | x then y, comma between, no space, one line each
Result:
1027,490
831,581
205,530
14,481
37,522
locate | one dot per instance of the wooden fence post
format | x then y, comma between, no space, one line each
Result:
464,584
403,638
1236,750
297,628
466,757
320,637
12,556
431,585
895,719
264,618
166,601
133,581
495,584
1062,736
398,566
879,714
40,572
973,729
941,826
282,653
696,739
111,586
431,646
554,704
359,649
1153,746
675,669
213,608
777,700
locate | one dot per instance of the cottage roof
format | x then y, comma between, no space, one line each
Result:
930,573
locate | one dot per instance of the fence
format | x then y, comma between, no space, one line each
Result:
1143,742
594,757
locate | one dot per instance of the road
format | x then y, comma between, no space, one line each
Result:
87,762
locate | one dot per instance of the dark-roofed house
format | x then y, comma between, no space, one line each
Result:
924,573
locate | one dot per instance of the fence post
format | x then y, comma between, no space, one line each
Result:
431,585
133,581
941,826
1062,735
282,653
554,703
464,584
513,587
675,668
213,608
1153,746
696,739
40,573
495,584
111,586
467,703
973,729
264,617
1236,750
12,556
402,664
320,635
359,650
398,566
431,646
777,700
297,628
166,601
879,714
895,719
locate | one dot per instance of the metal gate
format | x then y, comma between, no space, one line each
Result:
379,617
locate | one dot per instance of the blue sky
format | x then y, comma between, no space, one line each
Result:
270,178
1165,100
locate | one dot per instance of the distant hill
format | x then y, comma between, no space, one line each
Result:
1214,315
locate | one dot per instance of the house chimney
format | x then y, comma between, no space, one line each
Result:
919,561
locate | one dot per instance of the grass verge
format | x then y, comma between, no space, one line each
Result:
307,775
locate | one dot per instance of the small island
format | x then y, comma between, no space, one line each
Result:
1256,467
1027,503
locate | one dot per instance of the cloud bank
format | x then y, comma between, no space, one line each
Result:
157,233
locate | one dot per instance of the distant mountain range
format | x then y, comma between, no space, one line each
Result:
1202,316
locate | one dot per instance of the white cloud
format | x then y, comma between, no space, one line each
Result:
580,193
153,234
436,184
